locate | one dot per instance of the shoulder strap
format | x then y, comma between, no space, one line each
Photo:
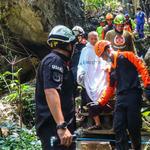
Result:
114,65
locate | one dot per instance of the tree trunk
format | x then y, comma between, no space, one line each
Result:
136,3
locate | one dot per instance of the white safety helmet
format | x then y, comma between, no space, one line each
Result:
61,33
78,30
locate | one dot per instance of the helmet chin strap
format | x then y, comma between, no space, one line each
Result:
69,51
109,55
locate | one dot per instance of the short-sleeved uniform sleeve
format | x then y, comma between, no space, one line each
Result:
53,73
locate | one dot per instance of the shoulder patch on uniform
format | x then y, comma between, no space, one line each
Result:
56,67
56,76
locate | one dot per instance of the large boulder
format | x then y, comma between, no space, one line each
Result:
32,20
25,25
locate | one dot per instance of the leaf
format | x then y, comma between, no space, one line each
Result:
3,126
6,73
16,73
148,118
2,141
147,113
13,124
9,53
143,109
7,123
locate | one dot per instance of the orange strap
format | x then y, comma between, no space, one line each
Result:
114,64
127,28
103,35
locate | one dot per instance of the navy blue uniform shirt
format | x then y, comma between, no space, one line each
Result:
53,73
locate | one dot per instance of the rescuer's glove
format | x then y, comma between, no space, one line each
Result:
147,90
96,104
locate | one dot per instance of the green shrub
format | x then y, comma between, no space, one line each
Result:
19,139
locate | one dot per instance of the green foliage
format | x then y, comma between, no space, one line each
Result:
78,101
19,139
113,4
146,118
27,101
19,91
91,5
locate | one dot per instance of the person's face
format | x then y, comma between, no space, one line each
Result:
93,39
104,57
138,11
103,23
119,27
79,38
127,18
109,21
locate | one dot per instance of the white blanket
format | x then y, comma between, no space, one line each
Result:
92,72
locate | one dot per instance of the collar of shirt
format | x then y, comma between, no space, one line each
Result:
118,31
110,25
65,58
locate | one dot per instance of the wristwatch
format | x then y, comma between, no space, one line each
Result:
62,126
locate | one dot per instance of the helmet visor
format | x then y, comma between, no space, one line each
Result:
76,32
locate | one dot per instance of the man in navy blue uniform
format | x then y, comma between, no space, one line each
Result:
54,87
75,60
140,20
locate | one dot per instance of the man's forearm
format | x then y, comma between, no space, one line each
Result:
53,101
54,104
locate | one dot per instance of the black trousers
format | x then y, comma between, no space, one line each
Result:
127,116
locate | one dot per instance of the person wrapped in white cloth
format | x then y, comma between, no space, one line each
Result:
92,74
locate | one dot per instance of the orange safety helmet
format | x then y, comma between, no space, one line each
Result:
109,16
100,47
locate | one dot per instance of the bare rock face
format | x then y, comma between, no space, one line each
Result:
32,20
21,21
25,25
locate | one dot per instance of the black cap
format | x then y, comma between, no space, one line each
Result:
138,8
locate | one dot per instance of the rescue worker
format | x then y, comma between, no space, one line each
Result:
77,47
109,19
55,113
127,28
129,21
140,20
119,38
102,22
75,60
123,75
